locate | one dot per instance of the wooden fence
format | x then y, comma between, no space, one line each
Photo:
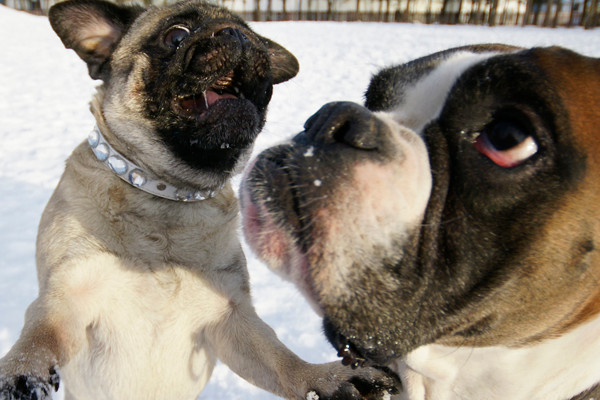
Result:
548,13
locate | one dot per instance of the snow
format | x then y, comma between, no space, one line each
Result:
310,152
312,396
44,95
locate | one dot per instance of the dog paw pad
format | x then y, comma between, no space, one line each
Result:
25,387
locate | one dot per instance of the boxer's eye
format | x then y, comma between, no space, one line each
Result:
176,35
506,143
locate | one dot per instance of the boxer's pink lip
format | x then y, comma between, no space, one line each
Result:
251,221
269,241
274,245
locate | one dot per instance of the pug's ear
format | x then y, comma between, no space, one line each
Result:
92,28
283,63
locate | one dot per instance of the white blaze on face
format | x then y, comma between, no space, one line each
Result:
423,101
385,201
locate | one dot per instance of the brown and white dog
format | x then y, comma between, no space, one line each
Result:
142,279
451,228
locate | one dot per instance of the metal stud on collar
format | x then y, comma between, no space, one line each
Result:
137,177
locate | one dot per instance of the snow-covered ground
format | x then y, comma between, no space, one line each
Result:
44,94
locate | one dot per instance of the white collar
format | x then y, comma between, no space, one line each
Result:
137,177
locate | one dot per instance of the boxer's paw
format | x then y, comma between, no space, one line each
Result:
27,387
368,383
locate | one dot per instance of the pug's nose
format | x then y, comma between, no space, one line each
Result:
345,123
235,33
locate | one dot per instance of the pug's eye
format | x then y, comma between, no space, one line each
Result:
506,143
176,35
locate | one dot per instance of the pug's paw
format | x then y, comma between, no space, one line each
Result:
366,383
27,387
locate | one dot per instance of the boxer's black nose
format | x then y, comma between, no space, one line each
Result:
345,123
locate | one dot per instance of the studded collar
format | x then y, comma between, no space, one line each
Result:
137,176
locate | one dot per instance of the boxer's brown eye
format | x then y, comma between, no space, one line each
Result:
176,35
506,143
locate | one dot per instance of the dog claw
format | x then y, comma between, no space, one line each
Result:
25,387
54,379
351,357
370,383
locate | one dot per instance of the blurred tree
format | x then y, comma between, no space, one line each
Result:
285,15
557,13
256,13
493,12
584,12
571,13
592,16
528,12
269,10
548,14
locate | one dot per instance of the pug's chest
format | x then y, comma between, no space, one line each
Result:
146,338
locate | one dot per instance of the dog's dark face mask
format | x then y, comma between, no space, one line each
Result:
192,77
403,227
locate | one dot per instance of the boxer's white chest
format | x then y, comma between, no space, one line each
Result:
558,369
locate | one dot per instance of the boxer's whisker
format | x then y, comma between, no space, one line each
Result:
314,200
441,223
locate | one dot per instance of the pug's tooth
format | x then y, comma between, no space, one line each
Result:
205,99
225,145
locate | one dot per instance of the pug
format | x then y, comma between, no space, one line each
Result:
142,280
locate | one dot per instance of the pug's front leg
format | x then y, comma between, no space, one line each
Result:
29,387
29,370
364,383
252,350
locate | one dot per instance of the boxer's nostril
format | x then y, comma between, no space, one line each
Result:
361,134
345,123
339,135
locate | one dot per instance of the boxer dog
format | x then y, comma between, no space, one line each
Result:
143,283
451,227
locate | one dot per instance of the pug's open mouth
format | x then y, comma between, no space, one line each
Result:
197,105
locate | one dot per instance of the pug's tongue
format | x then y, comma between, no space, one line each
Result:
202,103
212,97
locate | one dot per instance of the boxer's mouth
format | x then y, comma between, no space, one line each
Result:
273,231
355,352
